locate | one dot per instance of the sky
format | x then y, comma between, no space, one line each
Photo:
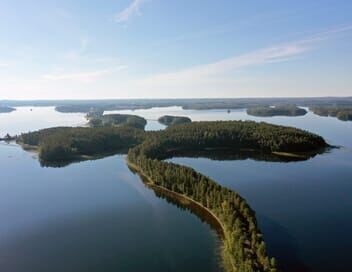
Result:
90,49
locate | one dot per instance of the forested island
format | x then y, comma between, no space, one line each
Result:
5,109
280,110
63,145
340,112
86,106
244,247
169,120
100,120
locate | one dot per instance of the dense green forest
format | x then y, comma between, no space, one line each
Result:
5,109
281,110
169,120
340,112
244,248
135,121
233,136
65,144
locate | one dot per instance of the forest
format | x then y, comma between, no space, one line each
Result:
340,112
244,248
100,120
169,120
67,144
280,110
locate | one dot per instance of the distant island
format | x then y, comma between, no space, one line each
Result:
5,109
280,110
100,120
342,113
169,120
324,106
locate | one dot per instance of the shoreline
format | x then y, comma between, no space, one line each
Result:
151,184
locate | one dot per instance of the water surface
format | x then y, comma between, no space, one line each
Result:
93,216
98,216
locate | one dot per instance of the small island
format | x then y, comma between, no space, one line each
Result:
169,120
97,119
5,109
342,113
281,110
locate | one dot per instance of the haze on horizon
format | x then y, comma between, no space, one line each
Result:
174,49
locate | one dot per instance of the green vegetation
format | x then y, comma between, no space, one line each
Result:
281,110
87,106
67,144
244,248
235,135
5,109
340,112
168,120
117,120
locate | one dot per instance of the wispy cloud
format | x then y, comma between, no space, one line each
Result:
4,64
274,54
130,11
85,77
77,54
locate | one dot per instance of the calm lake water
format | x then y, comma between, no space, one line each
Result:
98,215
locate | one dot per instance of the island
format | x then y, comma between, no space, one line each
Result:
97,119
5,109
342,113
280,110
169,120
243,248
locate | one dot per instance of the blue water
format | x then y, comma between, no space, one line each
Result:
98,215
303,208
89,216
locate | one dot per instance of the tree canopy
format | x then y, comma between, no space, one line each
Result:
280,110
244,247
169,120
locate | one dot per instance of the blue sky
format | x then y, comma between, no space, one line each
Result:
168,49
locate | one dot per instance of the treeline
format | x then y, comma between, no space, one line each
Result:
169,120
233,135
340,112
96,120
244,248
281,110
65,144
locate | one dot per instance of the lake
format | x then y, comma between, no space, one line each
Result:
99,216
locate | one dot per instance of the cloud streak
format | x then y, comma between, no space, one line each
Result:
274,54
132,10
